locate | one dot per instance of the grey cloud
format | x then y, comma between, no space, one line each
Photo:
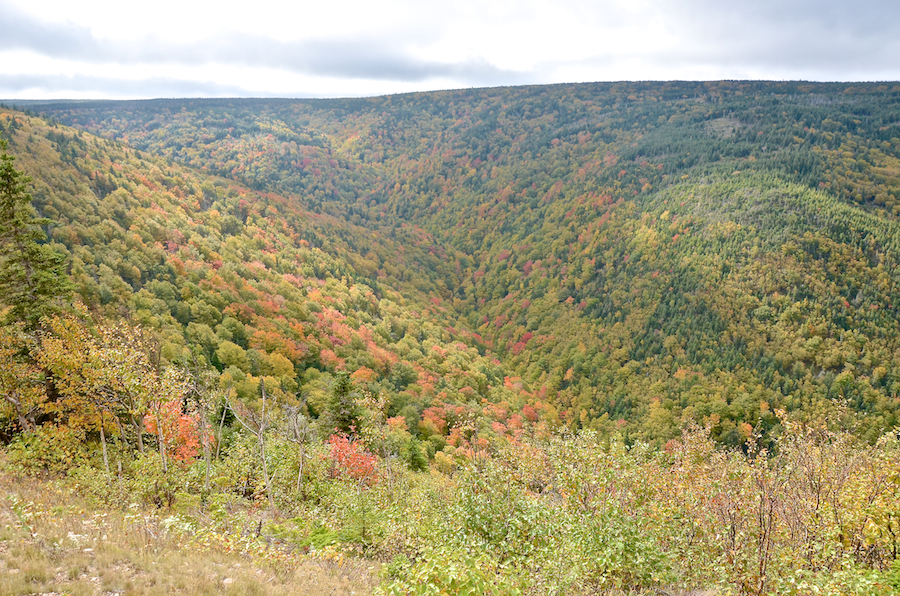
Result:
815,39
373,59
20,31
365,59
847,39
105,87
858,20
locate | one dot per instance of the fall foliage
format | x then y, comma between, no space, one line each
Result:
565,339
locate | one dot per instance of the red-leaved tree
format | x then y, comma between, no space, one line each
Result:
180,431
350,459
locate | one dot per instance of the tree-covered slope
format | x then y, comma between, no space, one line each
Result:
368,328
249,282
636,255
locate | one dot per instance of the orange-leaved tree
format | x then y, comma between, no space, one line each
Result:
351,459
180,432
106,373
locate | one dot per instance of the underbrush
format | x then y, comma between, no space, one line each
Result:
547,514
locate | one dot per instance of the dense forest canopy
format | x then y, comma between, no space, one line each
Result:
699,249
443,275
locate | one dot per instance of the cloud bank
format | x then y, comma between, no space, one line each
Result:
469,44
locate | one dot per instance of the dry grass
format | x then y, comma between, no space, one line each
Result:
53,542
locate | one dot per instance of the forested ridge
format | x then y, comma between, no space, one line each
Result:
678,273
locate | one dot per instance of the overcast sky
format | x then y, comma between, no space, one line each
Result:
337,48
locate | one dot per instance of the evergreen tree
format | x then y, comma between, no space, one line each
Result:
343,410
32,275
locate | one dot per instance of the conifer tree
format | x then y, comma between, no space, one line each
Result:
343,410
32,275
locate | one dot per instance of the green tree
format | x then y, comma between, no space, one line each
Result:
343,410
32,275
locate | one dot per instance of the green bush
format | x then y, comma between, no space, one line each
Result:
48,449
611,549
497,516
449,571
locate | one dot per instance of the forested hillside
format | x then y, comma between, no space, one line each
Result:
386,316
700,249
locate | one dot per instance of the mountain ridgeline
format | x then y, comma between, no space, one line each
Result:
626,257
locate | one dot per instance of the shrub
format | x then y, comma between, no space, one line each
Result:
449,571
352,460
48,449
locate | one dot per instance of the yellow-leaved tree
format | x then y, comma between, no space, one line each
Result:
107,377
21,381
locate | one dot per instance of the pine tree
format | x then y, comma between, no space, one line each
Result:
32,275
343,410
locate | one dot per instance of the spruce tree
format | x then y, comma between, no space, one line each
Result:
343,411
32,275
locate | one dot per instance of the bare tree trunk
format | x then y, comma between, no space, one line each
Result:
24,423
121,430
221,424
204,434
259,432
103,443
138,425
300,474
390,469
162,443
262,447
200,390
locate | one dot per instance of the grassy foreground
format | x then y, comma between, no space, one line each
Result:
54,542
555,514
